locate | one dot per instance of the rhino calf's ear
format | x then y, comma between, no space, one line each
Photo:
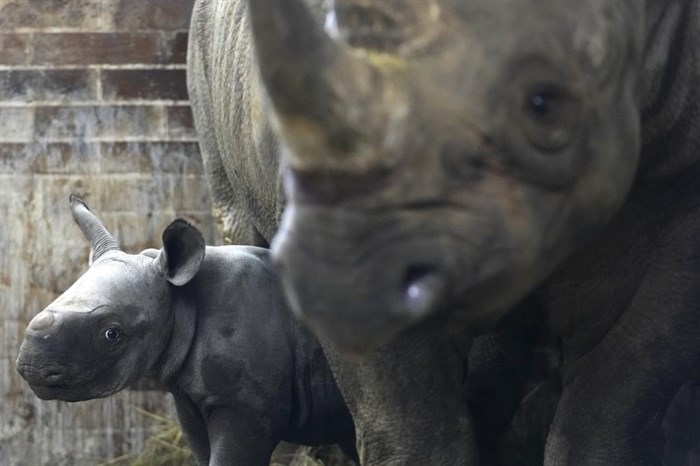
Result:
182,253
150,252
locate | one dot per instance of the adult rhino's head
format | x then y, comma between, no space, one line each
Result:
444,153
113,324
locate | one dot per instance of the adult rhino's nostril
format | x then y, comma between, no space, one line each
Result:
423,287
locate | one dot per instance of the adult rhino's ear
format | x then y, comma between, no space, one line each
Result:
182,253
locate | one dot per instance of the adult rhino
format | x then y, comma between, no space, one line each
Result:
468,154
241,153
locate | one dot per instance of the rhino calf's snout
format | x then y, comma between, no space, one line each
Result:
51,375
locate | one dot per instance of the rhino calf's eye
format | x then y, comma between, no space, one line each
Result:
112,334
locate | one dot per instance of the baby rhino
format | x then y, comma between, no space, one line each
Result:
210,323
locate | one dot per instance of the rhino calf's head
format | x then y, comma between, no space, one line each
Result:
454,160
112,325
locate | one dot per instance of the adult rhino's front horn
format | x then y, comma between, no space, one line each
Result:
331,104
101,241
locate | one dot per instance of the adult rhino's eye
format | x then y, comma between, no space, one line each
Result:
112,334
550,117
539,104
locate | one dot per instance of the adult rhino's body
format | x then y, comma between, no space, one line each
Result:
499,149
239,148
463,156
242,154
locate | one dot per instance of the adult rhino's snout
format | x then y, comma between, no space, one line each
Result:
358,309
353,294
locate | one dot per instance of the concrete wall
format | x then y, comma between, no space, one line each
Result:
93,102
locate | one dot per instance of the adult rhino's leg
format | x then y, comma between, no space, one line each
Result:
615,395
234,224
407,401
610,413
682,426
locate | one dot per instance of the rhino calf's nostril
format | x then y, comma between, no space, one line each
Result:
422,287
53,377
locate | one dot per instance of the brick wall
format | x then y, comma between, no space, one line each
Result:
92,101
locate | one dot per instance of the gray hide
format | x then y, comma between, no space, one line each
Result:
239,149
241,154
209,323
455,157
499,148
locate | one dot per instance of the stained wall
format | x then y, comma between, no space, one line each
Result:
92,101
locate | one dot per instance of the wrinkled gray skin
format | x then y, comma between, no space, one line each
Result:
518,145
445,159
210,324
241,155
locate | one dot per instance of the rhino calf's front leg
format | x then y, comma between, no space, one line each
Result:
194,428
225,437
235,441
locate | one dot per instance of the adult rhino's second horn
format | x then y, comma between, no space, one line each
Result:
326,99
101,241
